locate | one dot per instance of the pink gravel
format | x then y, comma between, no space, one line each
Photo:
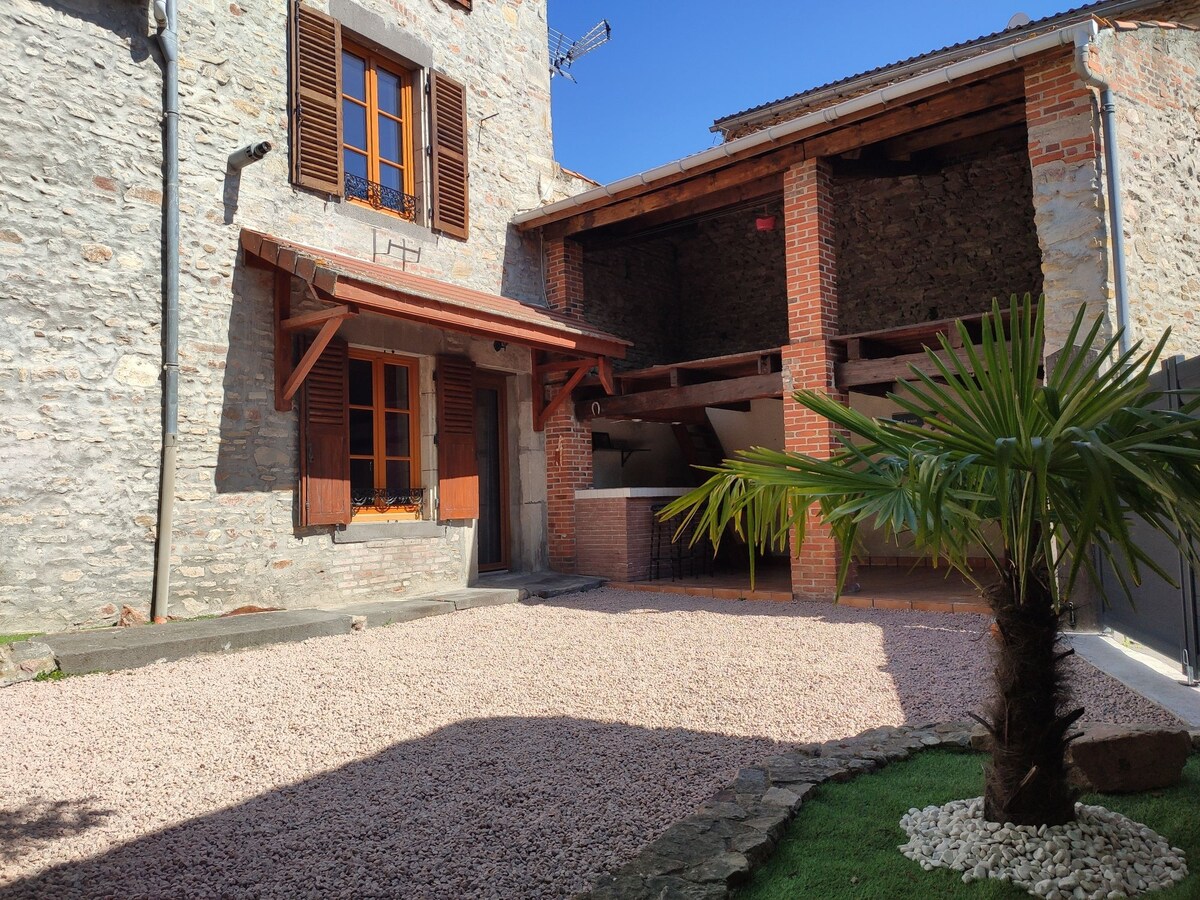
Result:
507,752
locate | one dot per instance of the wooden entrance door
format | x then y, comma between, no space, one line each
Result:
491,456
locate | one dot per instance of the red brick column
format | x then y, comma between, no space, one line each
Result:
809,357
568,442
568,468
564,275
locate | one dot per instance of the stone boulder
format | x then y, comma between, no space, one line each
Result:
1125,758
24,660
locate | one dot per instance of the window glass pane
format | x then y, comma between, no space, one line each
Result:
389,176
397,434
354,124
399,476
354,71
395,386
360,382
388,86
362,478
356,163
362,432
389,139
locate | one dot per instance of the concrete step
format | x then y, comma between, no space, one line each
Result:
109,649
541,584
389,612
474,598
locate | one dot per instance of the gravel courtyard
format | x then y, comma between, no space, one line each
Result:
510,752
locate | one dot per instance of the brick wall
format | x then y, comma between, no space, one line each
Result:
923,247
614,537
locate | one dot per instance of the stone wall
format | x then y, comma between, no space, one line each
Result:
1155,74
923,247
710,288
80,195
631,290
732,285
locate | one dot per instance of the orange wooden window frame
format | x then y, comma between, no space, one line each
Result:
379,410
373,63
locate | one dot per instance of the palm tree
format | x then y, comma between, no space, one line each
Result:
1057,467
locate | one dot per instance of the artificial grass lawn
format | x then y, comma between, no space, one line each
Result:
851,831
13,638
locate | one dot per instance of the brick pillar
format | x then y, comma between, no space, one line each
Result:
568,441
568,468
564,275
809,357
1068,197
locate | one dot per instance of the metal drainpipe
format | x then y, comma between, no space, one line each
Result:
1112,172
166,13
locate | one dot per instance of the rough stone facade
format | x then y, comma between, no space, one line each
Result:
1155,74
924,247
715,287
1068,197
80,193
632,291
732,286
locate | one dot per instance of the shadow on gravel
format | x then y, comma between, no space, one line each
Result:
37,823
504,808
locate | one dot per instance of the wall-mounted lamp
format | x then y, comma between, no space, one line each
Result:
252,152
764,223
499,345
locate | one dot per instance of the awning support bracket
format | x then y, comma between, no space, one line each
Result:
289,378
579,368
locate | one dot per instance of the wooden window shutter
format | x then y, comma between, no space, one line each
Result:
315,120
325,439
458,475
448,152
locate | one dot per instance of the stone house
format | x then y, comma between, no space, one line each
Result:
836,232
358,317
411,347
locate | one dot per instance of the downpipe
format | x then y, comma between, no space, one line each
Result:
166,15
1084,41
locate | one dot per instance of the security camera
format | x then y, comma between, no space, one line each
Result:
252,152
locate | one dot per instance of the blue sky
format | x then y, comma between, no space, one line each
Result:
673,66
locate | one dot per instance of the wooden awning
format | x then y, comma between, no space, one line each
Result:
353,286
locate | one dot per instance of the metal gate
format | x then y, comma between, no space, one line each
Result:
1162,616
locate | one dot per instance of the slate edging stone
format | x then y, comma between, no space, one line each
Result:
737,829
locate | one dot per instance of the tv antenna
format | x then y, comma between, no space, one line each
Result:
564,51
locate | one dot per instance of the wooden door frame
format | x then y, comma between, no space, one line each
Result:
498,381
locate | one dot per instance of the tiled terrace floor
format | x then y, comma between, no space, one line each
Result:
880,587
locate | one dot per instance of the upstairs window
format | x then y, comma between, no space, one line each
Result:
377,141
353,127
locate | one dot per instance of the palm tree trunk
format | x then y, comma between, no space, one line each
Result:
1026,783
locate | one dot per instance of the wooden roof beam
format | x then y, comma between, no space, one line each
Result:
921,111
710,393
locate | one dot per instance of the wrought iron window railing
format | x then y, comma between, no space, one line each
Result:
380,197
382,500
